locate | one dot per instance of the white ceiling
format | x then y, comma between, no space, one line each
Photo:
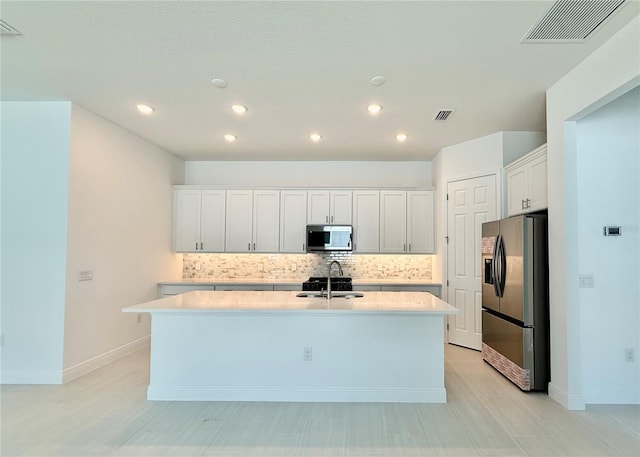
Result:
298,66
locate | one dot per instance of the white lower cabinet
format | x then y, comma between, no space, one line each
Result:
252,221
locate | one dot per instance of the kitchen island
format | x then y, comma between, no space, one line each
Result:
275,346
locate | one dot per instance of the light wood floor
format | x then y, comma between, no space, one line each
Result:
106,414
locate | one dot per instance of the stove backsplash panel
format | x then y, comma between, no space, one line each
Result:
301,266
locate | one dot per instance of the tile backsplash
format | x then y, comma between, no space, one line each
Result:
301,266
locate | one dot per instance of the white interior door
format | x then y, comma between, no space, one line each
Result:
470,202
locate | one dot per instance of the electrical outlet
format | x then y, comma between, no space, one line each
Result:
307,354
629,355
586,281
85,275
294,267
260,267
139,319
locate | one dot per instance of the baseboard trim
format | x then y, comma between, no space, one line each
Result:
571,402
297,394
83,368
613,398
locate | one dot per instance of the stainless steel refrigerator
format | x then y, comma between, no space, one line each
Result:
515,299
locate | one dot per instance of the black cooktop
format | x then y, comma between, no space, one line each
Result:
316,283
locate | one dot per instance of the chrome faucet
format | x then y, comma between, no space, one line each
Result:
329,276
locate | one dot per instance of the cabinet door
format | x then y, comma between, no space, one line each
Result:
517,190
212,220
538,184
318,207
186,224
366,221
421,238
340,207
393,219
293,220
266,220
239,221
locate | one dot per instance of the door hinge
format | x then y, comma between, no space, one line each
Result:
447,197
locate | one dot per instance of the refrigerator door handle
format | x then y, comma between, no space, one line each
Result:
494,272
502,258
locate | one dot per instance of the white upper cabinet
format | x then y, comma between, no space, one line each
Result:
366,221
293,220
266,220
199,217
407,222
527,183
393,221
329,206
421,237
252,222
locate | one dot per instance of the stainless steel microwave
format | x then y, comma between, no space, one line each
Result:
329,238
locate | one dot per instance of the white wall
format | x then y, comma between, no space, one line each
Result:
608,147
610,71
310,174
120,213
35,171
477,157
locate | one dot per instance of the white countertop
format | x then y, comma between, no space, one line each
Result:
364,282
286,301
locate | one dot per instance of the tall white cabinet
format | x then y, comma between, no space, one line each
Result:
252,221
527,183
199,220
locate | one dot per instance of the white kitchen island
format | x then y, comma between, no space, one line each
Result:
274,346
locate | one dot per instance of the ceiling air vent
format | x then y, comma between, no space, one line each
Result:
443,115
6,29
571,20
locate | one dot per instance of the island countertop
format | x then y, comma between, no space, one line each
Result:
287,301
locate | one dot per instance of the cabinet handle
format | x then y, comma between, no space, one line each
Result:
248,246
254,246
528,203
201,246
332,219
326,219
196,245
302,247
404,247
522,206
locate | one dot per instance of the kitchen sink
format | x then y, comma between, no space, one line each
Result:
333,295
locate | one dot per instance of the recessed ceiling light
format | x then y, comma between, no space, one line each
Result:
315,137
374,109
239,109
230,138
377,80
401,137
145,109
221,83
